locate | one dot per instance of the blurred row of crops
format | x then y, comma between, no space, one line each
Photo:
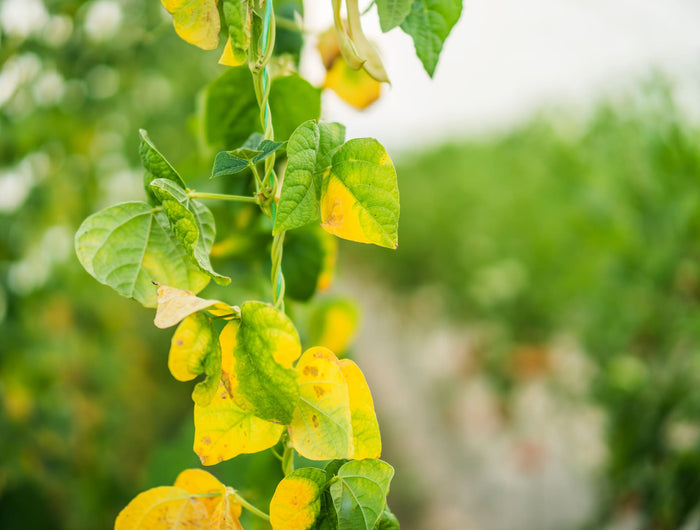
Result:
585,227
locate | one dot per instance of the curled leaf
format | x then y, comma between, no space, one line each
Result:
176,304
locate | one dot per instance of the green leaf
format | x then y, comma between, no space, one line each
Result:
267,344
230,109
129,246
287,40
304,255
359,493
309,153
360,196
254,150
293,100
157,167
191,222
429,23
194,350
296,502
238,18
392,13
387,521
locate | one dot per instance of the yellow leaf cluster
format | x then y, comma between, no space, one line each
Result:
196,500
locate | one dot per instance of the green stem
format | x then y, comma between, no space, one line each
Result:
221,197
288,459
240,500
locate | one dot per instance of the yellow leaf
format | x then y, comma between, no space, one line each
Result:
226,514
337,213
198,481
321,427
192,342
196,21
333,324
330,256
175,304
163,508
228,58
367,441
355,87
297,500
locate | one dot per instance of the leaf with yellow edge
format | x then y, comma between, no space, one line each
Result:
198,481
195,21
360,195
321,427
238,16
176,304
267,344
195,351
367,441
163,508
330,257
355,87
333,324
222,429
229,58
296,502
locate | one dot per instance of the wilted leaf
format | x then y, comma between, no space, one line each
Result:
367,441
195,21
129,246
359,493
266,346
360,196
163,508
321,428
296,502
191,222
429,23
175,304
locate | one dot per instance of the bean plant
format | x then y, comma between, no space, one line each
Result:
299,180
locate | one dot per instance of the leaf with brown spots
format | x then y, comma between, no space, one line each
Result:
321,427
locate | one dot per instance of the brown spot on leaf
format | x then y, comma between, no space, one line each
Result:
314,420
206,440
179,342
310,370
319,391
220,459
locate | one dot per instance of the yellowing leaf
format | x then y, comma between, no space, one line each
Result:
192,342
196,21
330,256
175,304
228,58
360,196
226,513
198,481
367,441
297,500
333,324
321,426
222,430
163,508
355,87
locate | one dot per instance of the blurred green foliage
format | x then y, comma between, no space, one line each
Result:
592,230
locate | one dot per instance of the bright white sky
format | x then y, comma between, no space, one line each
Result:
508,58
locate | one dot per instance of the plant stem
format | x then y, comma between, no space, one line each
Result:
221,197
288,459
240,500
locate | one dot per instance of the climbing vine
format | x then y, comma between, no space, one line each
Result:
259,389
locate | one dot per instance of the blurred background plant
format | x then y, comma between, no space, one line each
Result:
533,345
